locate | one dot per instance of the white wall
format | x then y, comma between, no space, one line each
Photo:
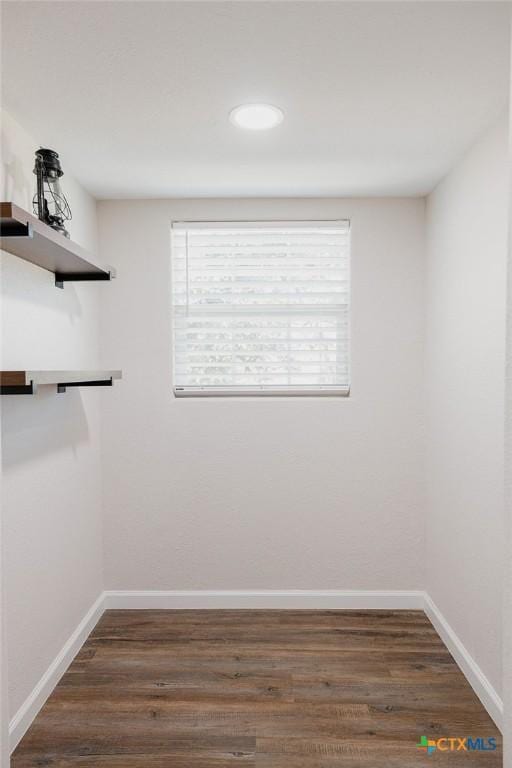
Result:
4,699
507,596
265,493
50,443
464,371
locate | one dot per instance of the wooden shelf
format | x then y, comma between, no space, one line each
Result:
26,382
28,238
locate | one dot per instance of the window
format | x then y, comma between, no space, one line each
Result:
261,308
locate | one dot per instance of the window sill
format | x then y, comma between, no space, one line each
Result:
261,392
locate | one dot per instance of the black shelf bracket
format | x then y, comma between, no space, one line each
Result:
61,387
15,229
18,389
61,278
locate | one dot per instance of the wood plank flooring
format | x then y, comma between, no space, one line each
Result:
258,689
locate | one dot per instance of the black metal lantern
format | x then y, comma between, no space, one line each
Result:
49,202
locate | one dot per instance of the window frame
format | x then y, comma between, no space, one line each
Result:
256,391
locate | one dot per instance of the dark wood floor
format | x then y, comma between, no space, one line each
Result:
272,689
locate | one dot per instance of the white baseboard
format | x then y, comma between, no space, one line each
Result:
35,700
266,598
238,599
472,672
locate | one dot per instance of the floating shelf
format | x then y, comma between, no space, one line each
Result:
28,238
26,382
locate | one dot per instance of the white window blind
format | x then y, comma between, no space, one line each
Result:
261,308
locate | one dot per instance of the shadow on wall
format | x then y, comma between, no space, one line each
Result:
26,283
40,424
17,186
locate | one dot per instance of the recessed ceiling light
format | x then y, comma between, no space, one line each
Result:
256,117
